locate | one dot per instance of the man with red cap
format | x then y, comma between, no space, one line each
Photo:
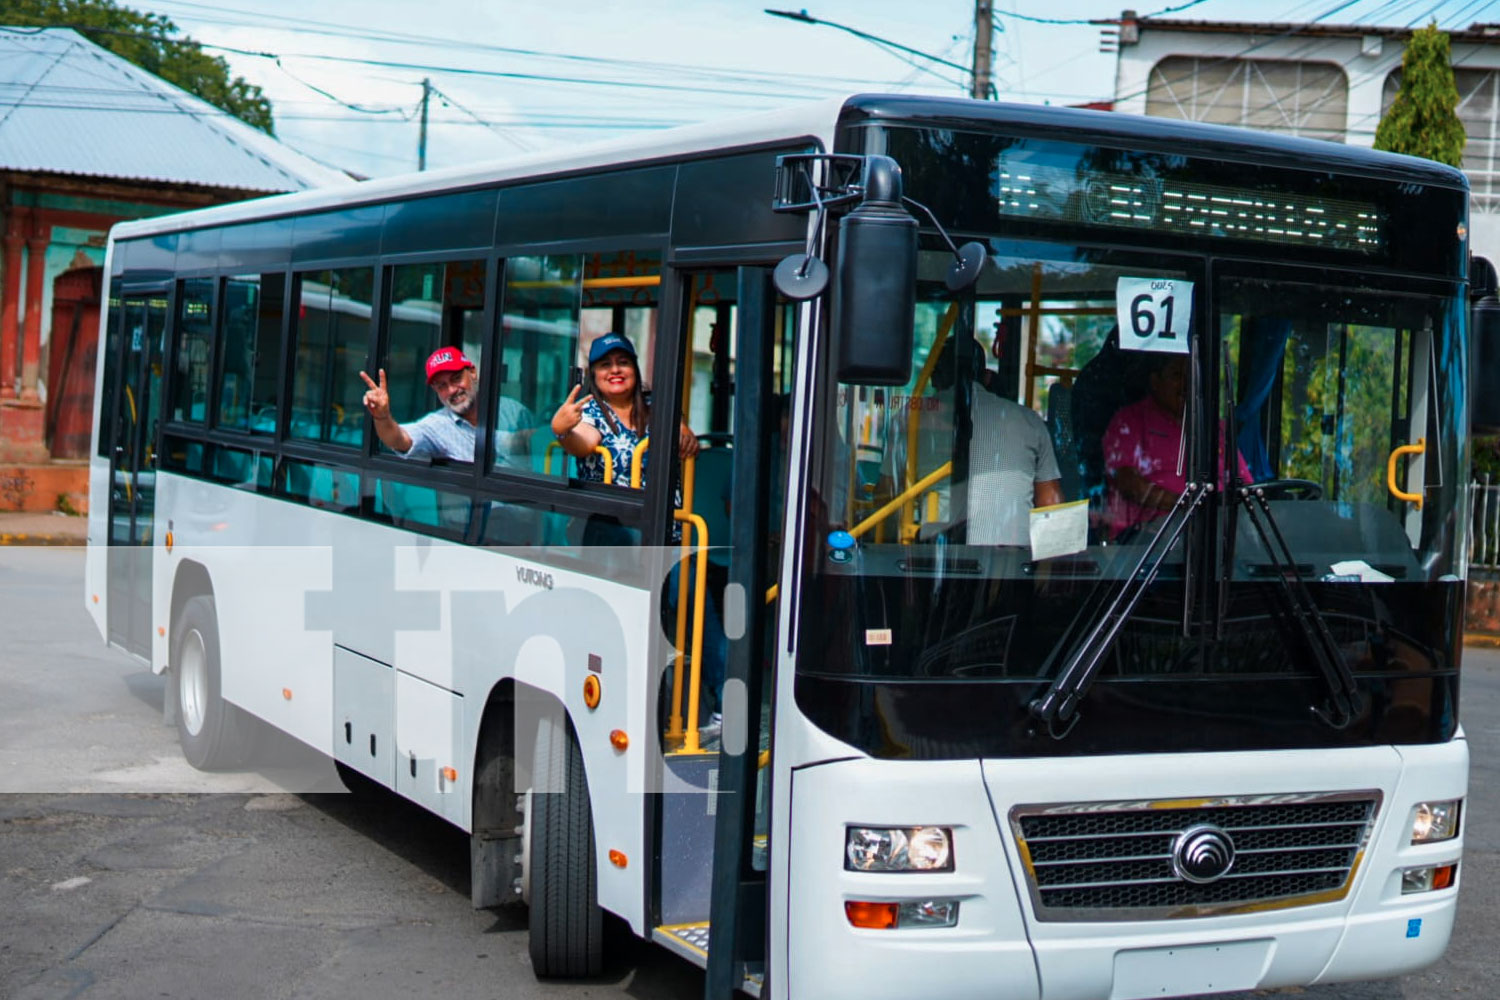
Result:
449,432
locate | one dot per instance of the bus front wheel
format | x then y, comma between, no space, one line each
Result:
214,734
567,934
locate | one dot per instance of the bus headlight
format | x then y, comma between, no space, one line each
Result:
1434,821
898,849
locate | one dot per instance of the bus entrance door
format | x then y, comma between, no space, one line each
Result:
713,850
137,367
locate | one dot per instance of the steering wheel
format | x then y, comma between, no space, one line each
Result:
1290,489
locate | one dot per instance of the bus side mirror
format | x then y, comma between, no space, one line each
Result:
1484,331
875,290
874,298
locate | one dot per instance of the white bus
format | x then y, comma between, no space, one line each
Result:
1091,593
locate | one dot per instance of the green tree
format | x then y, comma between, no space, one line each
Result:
1423,120
149,41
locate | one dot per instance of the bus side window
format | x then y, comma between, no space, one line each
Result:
330,342
251,345
541,298
431,306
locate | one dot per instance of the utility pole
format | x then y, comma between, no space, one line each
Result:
984,32
422,135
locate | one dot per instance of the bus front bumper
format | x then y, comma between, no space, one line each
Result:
1000,946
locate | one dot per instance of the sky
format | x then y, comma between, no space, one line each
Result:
514,76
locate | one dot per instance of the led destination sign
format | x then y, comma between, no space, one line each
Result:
1030,182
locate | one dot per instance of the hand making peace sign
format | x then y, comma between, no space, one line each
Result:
377,398
570,413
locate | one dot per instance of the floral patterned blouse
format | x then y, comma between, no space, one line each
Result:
620,441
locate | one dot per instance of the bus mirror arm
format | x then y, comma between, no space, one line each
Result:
802,276
968,260
1057,708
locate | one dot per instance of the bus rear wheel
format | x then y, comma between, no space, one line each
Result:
567,932
214,734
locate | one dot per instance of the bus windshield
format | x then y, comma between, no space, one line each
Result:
1013,486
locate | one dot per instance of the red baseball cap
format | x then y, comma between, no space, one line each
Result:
447,359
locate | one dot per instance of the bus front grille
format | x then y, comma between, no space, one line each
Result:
1179,858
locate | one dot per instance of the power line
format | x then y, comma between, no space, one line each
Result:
338,30
1084,20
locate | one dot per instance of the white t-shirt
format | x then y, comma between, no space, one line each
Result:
1010,452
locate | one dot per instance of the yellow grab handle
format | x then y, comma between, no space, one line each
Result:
609,463
547,456
635,462
1390,471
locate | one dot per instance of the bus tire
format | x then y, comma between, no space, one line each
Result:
214,734
567,930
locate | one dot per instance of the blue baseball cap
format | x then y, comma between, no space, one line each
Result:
609,342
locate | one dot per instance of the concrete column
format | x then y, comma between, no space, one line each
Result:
31,337
10,294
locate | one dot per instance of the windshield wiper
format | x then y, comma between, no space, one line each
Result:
1059,703
1345,701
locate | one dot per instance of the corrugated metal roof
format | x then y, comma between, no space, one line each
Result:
68,106
1476,32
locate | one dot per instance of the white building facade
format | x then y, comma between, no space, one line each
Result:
1322,81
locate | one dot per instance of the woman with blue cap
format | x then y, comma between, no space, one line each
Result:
614,415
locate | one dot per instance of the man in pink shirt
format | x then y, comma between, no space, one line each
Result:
1143,450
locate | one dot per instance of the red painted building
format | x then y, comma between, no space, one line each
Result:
87,140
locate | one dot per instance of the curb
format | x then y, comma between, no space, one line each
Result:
31,538
1483,640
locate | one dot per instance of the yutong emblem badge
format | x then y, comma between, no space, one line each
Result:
1203,854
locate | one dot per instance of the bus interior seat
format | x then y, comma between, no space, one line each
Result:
233,466
1109,381
711,490
408,505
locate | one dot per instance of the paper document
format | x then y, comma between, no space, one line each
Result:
1358,569
1059,530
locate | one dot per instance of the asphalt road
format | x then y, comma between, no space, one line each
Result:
126,874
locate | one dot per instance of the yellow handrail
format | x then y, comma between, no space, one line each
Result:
914,415
896,503
1390,471
609,460
689,474
690,742
635,462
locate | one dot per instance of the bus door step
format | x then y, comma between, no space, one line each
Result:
691,942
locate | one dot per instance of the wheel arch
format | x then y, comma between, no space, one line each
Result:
190,580
505,736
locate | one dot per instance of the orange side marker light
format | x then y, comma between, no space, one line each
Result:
617,858
286,693
592,691
872,916
450,775
619,740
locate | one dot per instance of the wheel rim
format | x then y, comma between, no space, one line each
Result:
192,682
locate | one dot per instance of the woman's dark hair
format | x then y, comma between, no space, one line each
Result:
640,409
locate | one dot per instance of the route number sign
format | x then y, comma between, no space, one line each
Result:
1154,314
